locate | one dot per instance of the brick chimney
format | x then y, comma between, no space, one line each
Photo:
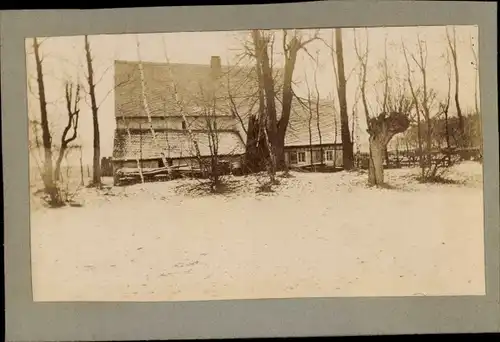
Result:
216,65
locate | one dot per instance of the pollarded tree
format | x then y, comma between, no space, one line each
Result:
384,126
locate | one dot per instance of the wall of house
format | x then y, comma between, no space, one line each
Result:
336,152
235,160
146,164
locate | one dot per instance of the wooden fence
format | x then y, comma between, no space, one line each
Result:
399,159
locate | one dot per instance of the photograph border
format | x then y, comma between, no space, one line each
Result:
30,321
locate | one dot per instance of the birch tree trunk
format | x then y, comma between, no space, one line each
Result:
145,105
138,161
47,175
180,106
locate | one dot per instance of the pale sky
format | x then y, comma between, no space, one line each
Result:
64,59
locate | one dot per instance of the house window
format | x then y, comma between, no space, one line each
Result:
183,124
317,156
293,157
302,157
329,155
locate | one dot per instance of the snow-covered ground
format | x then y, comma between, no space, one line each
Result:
318,235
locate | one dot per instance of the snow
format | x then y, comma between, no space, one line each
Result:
317,235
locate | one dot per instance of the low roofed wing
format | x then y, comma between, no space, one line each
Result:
174,144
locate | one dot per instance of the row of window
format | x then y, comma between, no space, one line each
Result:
300,157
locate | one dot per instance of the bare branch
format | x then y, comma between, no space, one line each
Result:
116,86
363,61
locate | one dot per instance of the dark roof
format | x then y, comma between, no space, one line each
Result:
174,143
192,83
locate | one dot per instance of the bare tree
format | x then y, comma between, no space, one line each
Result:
180,106
347,153
355,121
34,147
96,168
213,144
267,107
80,150
417,110
262,52
476,86
452,44
386,92
207,101
424,103
312,107
334,107
73,113
146,108
291,48
383,127
318,115
242,107
446,105
310,113
51,174
476,81
51,190
421,63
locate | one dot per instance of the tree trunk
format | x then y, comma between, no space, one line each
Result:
386,156
57,169
397,155
96,175
256,151
347,148
309,126
282,124
461,125
145,105
318,126
47,176
268,129
376,164
381,130
82,183
429,139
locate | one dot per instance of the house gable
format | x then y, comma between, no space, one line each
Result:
193,84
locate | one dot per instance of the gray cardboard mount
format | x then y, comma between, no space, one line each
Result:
29,321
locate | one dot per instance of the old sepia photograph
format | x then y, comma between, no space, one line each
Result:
284,163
